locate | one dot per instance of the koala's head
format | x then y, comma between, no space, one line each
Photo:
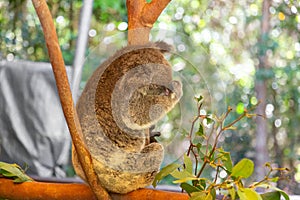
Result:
150,103
146,92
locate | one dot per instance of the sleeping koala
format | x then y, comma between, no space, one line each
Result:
125,96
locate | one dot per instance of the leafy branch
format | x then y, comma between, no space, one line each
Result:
13,171
207,155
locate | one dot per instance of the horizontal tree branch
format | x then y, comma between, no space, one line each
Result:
74,191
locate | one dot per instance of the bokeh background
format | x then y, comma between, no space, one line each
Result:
235,53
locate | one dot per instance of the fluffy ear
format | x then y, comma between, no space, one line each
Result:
163,47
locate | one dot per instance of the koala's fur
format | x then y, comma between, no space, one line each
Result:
126,95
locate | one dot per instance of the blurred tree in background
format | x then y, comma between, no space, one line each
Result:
219,46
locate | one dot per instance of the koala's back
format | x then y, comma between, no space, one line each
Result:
120,155
135,60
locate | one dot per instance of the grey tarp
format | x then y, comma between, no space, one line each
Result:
32,126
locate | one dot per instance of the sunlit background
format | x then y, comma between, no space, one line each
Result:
218,45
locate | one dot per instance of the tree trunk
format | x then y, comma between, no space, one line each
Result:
261,92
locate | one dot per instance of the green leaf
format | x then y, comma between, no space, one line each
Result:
181,174
165,172
243,169
6,173
283,194
271,196
209,120
201,150
200,183
199,145
240,108
213,193
189,188
232,192
226,159
248,194
198,196
268,186
200,131
188,164
209,196
199,99
13,171
184,180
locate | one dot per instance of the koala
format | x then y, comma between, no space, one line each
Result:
122,100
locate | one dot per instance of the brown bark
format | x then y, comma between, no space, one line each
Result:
261,147
65,95
141,17
39,190
73,191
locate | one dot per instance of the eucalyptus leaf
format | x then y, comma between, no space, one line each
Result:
232,192
268,186
243,169
181,174
189,188
202,182
271,196
165,172
198,196
209,196
199,99
213,193
209,120
188,164
226,159
199,145
184,180
200,131
13,171
248,194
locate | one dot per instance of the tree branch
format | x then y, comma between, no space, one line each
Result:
74,191
141,17
152,11
65,95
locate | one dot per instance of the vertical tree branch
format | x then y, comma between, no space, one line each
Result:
261,147
141,17
65,95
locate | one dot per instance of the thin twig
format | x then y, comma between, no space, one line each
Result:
192,128
217,173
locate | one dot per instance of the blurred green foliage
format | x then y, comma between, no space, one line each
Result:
216,55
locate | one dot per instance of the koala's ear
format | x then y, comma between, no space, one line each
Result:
163,47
